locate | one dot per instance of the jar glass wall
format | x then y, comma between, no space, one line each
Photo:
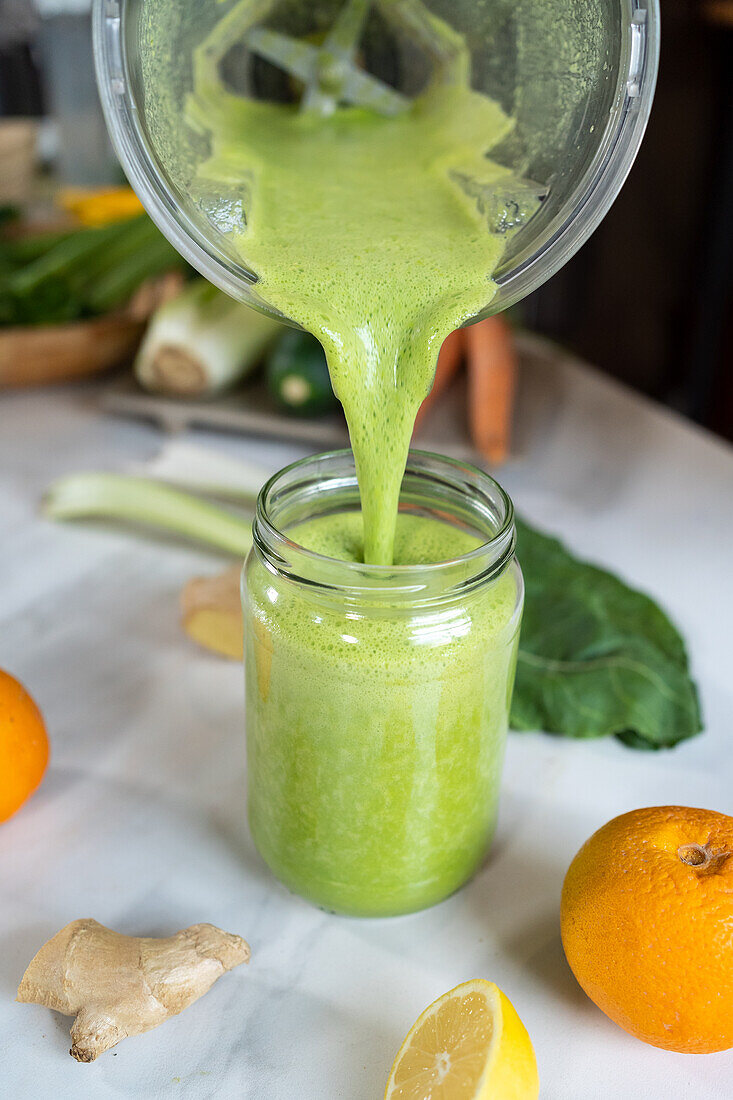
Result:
378,696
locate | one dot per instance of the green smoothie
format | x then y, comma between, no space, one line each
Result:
376,740
372,232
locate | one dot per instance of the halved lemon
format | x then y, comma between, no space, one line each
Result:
468,1045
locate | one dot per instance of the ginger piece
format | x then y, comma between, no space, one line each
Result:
211,612
118,986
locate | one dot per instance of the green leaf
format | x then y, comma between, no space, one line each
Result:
51,278
595,656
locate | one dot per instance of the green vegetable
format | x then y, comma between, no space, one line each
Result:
141,500
8,213
50,278
134,256
201,342
22,250
597,657
297,375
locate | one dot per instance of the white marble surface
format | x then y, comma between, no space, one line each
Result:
141,820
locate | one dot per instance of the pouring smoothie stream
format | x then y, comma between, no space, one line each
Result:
371,232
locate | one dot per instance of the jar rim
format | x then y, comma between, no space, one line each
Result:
486,561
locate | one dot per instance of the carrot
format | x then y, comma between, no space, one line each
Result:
491,382
449,360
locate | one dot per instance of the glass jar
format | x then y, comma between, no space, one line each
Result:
378,696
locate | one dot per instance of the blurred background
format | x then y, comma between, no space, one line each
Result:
649,299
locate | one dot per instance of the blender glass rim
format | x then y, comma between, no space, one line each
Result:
582,211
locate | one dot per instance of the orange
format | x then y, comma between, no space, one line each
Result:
647,925
23,745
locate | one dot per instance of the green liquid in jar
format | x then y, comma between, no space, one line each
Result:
376,740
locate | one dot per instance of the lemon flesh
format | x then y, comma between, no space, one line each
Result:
468,1045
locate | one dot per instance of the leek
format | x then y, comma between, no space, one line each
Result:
202,342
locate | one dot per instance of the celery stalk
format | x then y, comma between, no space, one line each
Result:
140,500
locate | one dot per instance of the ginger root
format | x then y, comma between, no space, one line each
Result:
211,612
118,986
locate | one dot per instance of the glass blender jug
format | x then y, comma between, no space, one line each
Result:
577,77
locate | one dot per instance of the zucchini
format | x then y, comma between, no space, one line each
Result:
297,375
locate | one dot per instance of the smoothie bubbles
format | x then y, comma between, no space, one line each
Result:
380,174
